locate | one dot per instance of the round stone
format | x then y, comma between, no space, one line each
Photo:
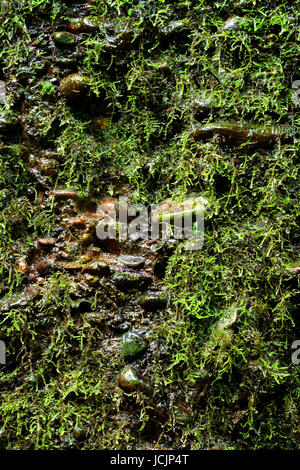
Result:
74,86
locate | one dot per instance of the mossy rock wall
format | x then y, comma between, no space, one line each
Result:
179,99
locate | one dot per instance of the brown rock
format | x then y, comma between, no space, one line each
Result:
42,266
22,265
70,266
64,194
46,242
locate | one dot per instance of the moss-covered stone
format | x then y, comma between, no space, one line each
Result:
169,210
65,39
133,344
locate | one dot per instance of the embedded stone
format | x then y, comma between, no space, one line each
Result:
70,266
200,108
124,280
79,222
47,167
42,266
22,265
65,39
46,242
20,299
232,23
133,344
240,133
92,280
132,381
83,25
153,301
64,194
74,86
2,92
170,211
134,262
98,267
174,27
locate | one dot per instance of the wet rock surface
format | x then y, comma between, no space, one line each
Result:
126,280
135,342
232,24
130,261
2,92
84,25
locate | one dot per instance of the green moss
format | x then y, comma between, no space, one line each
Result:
235,385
